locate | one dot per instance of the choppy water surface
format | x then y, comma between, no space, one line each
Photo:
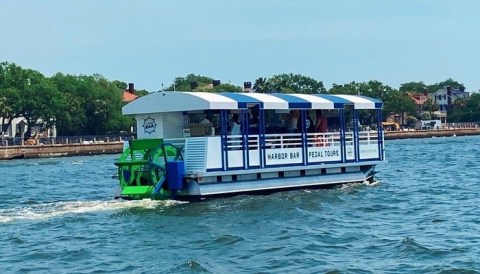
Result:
422,216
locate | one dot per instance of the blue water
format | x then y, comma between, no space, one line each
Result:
421,216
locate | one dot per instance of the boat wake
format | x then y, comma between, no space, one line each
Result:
56,209
364,183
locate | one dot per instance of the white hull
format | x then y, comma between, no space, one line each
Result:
196,190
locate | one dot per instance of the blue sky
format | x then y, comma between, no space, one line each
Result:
152,42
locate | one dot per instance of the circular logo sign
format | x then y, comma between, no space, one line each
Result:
149,125
349,152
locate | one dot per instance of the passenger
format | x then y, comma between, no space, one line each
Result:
293,123
208,126
253,117
205,120
309,124
253,120
321,124
235,125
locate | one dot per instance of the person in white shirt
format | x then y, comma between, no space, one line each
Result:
235,125
205,120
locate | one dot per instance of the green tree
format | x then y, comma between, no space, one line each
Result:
141,92
449,82
94,105
416,87
74,117
120,85
374,89
430,106
183,83
27,93
398,102
5,111
466,110
411,121
350,88
295,83
11,82
226,88
262,85
42,102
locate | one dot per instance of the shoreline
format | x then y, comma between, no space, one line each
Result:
414,134
65,150
59,150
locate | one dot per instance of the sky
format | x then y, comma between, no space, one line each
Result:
151,42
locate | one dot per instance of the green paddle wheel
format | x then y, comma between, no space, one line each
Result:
141,169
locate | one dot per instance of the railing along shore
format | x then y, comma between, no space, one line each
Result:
434,132
19,148
64,140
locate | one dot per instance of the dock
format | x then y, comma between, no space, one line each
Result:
17,148
59,150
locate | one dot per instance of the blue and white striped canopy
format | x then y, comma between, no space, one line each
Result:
170,101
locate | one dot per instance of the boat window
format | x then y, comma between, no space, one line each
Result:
203,123
253,119
367,119
333,120
276,121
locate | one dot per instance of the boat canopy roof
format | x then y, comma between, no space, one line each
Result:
171,101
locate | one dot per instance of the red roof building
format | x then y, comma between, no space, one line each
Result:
129,94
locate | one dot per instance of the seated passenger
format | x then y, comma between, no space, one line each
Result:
293,123
205,120
235,125
321,124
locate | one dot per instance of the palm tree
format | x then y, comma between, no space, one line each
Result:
261,85
5,111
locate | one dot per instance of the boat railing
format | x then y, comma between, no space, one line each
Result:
315,146
234,142
253,142
323,139
287,140
349,137
368,137
291,140
294,140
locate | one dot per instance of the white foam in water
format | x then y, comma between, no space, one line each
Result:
364,183
374,183
51,210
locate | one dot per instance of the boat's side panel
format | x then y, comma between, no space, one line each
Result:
208,155
213,153
271,182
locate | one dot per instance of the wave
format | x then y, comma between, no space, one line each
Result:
364,183
56,209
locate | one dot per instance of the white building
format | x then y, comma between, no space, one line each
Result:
18,127
446,97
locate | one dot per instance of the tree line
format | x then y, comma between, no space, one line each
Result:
91,104
76,105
